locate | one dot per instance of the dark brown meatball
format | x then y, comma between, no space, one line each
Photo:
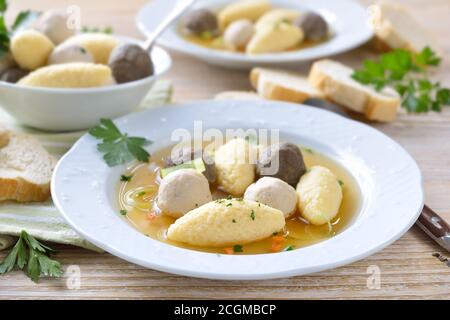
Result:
313,25
283,161
129,62
200,21
188,154
13,75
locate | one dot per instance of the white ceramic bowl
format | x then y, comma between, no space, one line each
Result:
84,189
60,109
348,21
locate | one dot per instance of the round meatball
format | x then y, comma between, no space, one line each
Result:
129,62
181,191
99,45
187,154
70,53
13,75
200,21
313,25
31,49
238,34
283,161
274,193
53,24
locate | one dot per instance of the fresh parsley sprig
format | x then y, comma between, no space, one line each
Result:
30,253
118,147
407,73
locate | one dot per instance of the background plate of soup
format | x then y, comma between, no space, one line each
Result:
385,188
347,21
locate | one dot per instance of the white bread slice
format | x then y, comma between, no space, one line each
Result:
396,28
281,85
335,81
25,168
237,95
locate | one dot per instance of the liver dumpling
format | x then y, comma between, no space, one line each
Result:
227,222
283,161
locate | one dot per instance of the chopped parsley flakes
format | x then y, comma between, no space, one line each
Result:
252,215
238,248
125,178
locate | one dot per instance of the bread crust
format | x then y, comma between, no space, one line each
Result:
274,91
25,168
374,106
22,190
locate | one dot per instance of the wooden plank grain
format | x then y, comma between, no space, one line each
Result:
407,268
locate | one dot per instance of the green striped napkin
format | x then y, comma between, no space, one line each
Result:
42,220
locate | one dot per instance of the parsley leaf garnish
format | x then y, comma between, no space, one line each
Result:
252,215
238,248
118,147
125,178
34,255
406,72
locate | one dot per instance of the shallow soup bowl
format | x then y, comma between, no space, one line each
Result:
84,189
66,109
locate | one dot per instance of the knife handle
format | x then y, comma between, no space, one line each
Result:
430,222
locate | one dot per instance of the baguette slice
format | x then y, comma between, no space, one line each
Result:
25,168
281,85
335,81
237,95
394,27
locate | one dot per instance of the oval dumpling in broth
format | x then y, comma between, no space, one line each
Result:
277,38
234,166
319,195
99,45
69,75
276,16
248,9
226,222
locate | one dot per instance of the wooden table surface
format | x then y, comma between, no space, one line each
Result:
407,267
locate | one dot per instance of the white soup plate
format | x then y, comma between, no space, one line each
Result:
348,21
84,189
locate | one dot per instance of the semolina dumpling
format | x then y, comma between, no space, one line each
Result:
247,9
275,38
276,16
69,75
99,45
320,195
235,167
31,49
226,222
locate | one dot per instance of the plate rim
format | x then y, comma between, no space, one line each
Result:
244,276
